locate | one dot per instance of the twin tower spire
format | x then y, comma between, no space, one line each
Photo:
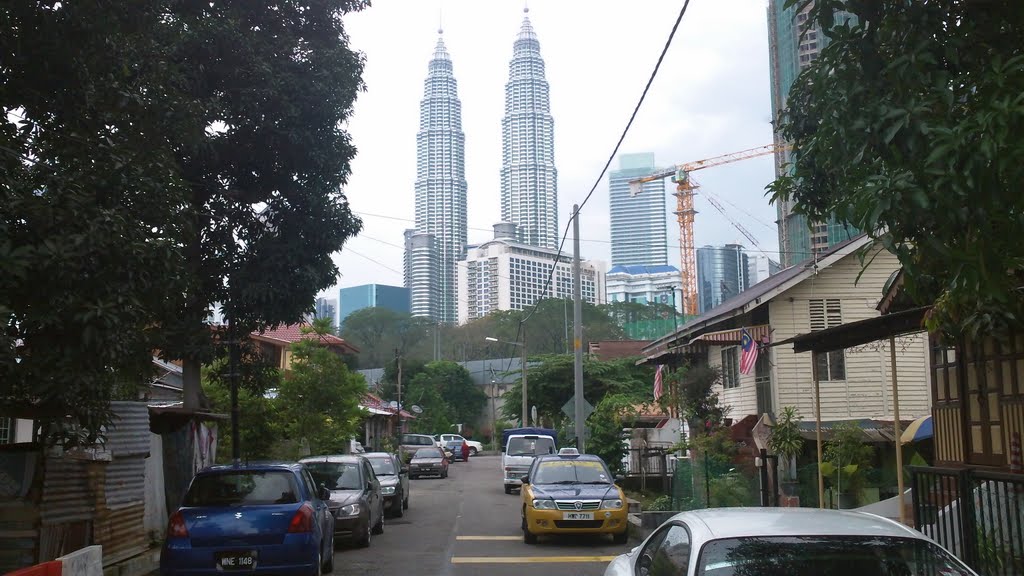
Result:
529,192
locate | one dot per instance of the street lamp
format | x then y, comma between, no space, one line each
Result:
522,346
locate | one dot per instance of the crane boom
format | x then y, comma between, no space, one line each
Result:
685,212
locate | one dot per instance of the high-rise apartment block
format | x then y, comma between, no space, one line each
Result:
439,239
506,274
638,228
326,308
722,272
794,42
529,180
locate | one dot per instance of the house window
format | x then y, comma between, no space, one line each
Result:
828,313
763,383
730,367
6,431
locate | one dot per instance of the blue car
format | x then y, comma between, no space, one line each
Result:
257,518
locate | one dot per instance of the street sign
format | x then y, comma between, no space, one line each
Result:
569,409
762,431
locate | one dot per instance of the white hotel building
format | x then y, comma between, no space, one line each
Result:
506,274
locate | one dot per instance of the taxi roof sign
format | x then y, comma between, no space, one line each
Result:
568,452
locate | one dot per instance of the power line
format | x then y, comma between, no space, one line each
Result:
611,157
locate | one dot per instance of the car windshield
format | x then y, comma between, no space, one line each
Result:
571,472
530,446
383,466
245,488
832,555
336,475
428,453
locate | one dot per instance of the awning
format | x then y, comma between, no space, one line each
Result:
376,411
759,333
860,332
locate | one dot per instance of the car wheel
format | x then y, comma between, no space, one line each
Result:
405,503
472,451
621,538
363,540
379,528
329,566
398,506
508,489
528,537
319,565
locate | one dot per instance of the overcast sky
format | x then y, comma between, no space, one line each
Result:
711,97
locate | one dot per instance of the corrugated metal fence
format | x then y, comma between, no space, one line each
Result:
119,526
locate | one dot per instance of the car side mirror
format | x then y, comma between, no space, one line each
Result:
619,477
369,486
525,479
324,494
403,470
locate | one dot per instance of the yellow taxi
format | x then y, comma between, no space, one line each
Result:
572,494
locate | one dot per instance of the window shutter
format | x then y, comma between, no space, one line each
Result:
833,312
816,311
825,313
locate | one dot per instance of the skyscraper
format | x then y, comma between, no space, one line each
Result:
639,233
440,195
722,272
794,42
529,180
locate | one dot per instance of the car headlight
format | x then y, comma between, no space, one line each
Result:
544,504
611,504
387,490
349,510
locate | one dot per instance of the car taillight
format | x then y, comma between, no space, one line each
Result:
303,519
176,526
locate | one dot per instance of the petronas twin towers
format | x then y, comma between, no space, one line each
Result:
529,192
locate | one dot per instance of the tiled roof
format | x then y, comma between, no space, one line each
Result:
292,333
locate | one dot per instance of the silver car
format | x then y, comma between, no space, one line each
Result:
785,542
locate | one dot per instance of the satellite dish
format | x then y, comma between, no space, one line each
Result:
393,405
416,409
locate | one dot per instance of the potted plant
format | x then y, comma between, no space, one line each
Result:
847,461
786,442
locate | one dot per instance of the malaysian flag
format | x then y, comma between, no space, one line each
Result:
749,357
658,388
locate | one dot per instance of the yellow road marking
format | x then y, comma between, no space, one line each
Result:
528,559
490,538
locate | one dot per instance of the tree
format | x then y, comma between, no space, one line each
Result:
319,398
378,332
907,126
446,393
262,91
88,193
606,424
550,383
262,427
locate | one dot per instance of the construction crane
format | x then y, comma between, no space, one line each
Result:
685,187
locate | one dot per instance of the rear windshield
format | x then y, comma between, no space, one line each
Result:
383,466
530,446
428,453
243,488
412,440
336,475
832,555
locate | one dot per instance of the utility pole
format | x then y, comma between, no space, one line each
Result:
398,361
236,412
526,412
577,327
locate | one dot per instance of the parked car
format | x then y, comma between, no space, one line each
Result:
410,443
572,494
394,481
355,495
267,518
458,449
784,542
474,446
428,462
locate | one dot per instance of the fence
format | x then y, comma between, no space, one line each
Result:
976,514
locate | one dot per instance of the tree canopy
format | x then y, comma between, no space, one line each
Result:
155,155
908,127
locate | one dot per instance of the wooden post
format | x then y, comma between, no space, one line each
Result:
897,427
817,428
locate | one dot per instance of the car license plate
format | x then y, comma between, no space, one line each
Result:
578,516
237,560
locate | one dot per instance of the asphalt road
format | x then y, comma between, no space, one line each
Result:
466,525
